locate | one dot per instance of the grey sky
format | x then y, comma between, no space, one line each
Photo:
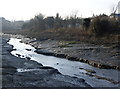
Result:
26,9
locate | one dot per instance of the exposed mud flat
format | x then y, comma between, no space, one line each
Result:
40,76
54,48
96,55
96,77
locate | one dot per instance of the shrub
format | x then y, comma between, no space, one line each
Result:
100,25
104,25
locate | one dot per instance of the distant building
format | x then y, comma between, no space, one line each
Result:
17,24
7,26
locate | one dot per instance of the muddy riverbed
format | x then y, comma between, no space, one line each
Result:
21,73
94,76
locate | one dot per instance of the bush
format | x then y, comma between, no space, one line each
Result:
100,25
104,25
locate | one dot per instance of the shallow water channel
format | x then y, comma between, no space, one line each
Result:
93,76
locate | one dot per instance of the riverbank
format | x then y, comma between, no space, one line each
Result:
101,56
96,55
36,75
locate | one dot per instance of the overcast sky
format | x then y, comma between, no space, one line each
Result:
26,9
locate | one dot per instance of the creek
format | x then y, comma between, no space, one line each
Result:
95,77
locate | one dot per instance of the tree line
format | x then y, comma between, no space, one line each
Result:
39,22
96,25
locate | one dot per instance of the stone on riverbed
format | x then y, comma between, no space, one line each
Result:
44,52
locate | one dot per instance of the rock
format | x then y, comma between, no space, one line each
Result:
46,67
61,55
28,58
57,63
18,55
44,52
72,58
28,49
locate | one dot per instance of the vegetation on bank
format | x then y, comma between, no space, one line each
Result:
98,29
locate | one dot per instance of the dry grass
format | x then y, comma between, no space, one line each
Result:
72,35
